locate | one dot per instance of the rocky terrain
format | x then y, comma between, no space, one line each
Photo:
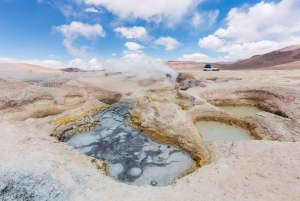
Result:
36,164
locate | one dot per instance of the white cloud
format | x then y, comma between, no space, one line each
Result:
198,57
194,57
210,42
78,63
261,21
204,19
134,56
74,51
168,11
245,50
114,54
132,32
67,9
197,20
75,30
96,64
258,29
91,10
93,64
169,42
133,46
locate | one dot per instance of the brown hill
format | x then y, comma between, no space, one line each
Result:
265,61
290,48
287,66
23,67
22,70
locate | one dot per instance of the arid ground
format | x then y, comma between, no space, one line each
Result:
35,115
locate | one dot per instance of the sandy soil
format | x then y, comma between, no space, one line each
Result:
22,70
20,67
288,66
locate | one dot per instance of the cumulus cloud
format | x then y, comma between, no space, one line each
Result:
210,42
198,57
132,32
168,11
96,64
75,30
93,64
244,50
133,52
258,29
133,46
261,20
169,42
204,19
134,56
193,57
91,10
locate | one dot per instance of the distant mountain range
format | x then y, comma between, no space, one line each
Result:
285,58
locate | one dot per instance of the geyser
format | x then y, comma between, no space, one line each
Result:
132,157
142,67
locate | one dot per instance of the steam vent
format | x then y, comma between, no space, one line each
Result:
192,135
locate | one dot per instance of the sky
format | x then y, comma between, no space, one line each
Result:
86,33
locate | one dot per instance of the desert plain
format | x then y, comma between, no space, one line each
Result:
36,114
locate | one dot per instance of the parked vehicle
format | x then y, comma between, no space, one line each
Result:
209,67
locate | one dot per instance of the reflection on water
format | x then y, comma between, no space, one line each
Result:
221,132
132,157
242,111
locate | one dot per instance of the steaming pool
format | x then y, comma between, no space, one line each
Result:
132,157
221,132
242,111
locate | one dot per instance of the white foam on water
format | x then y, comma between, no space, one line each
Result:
115,169
136,171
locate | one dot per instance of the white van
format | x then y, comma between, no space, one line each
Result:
209,67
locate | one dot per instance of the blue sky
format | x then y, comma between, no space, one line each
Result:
83,33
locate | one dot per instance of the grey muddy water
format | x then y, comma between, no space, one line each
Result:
132,157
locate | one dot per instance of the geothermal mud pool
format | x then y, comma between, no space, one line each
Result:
132,157
242,111
221,132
